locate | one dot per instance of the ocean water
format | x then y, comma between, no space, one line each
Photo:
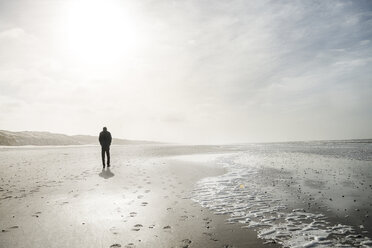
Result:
299,194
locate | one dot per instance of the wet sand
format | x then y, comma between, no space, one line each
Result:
296,196
60,197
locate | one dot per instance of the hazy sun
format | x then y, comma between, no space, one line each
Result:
99,30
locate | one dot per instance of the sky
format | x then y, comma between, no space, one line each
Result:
195,71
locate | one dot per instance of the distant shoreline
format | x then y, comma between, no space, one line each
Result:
33,138
40,138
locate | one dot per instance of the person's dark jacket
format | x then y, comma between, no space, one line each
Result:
105,139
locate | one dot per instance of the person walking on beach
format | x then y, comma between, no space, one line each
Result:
105,141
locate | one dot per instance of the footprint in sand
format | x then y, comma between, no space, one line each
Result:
36,214
147,191
115,245
140,196
167,227
137,227
133,214
114,230
130,245
144,204
184,217
185,243
151,226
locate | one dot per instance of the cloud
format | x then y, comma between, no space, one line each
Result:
353,62
16,34
12,33
220,71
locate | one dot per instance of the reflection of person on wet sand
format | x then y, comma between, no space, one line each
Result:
105,141
106,174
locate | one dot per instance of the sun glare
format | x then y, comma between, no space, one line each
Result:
99,31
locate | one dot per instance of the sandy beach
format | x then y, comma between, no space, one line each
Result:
60,197
273,195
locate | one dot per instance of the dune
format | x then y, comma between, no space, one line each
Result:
29,138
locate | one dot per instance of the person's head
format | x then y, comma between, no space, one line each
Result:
104,128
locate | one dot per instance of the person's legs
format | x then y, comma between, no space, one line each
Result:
103,157
108,156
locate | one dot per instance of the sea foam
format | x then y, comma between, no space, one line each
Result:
247,199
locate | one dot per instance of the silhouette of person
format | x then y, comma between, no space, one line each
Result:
105,141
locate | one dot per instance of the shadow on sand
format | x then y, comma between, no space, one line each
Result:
106,174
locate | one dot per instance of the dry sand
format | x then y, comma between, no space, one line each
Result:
60,197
